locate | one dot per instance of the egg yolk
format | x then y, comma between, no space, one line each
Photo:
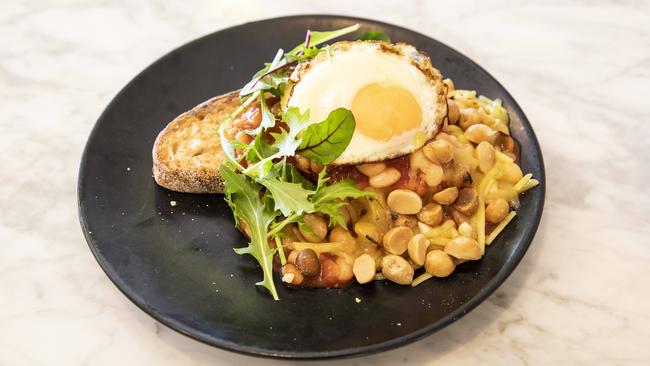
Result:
384,111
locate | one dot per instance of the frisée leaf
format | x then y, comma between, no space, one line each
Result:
290,198
328,199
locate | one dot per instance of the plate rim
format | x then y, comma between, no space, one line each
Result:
494,283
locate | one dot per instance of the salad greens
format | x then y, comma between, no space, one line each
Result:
274,76
265,191
324,142
243,197
374,35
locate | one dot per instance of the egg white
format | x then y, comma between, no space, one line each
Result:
334,77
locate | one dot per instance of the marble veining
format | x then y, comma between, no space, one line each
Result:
580,70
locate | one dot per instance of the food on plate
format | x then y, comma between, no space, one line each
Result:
351,161
187,155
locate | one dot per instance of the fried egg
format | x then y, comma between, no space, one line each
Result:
396,96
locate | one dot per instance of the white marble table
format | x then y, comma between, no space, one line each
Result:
580,70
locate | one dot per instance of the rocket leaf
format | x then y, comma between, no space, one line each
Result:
243,196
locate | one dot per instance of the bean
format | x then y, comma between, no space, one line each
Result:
364,268
250,119
329,272
316,228
463,248
291,275
468,117
458,217
433,175
404,201
439,263
466,230
453,111
371,169
276,108
397,269
254,117
303,164
231,133
506,143
345,269
457,175
353,210
485,156
345,213
296,232
243,137
396,240
418,161
308,263
343,235
467,201
386,178
446,137
291,258
424,228
316,167
240,122
479,132
417,248
431,214
496,209
447,196
439,151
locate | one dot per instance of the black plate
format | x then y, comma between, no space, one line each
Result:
177,263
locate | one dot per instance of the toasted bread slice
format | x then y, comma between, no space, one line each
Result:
187,153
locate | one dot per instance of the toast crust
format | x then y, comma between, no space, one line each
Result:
187,152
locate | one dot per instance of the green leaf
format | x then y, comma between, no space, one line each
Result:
307,53
342,189
290,198
329,198
295,120
243,196
259,149
374,35
316,38
274,76
260,169
285,142
265,83
322,179
296,177
323,142
228,147
331,209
